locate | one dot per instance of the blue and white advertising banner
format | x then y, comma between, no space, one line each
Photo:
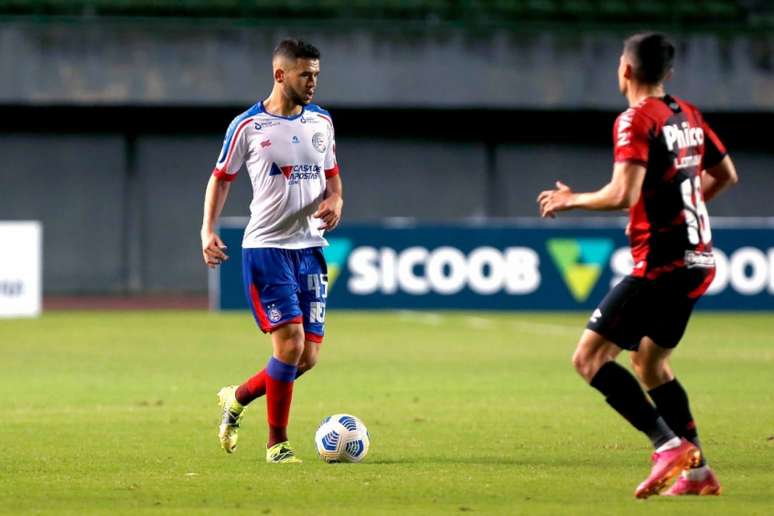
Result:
526,265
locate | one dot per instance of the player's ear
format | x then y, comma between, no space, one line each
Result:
279,75
668,75
628,72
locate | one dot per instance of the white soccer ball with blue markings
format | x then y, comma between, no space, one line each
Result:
342,438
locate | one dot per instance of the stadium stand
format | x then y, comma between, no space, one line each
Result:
457,12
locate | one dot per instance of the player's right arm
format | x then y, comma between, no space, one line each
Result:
214,199
232,155
622,192
631,146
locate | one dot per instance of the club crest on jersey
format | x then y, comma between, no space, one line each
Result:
319,143
274,313
265,143
295,139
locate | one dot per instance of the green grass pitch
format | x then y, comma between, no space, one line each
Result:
115,413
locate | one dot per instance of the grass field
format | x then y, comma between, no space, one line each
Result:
468,412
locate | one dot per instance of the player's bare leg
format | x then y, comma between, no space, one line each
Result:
308,357
651,363
594,359
592,352
288,347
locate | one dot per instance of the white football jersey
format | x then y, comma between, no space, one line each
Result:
289,160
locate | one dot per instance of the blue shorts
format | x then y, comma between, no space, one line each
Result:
286,286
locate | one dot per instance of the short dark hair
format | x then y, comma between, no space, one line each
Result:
296,49
652,55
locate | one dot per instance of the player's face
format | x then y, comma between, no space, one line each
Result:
301,81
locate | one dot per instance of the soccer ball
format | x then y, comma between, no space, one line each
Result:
342,438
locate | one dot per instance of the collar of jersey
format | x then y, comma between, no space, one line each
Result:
263,110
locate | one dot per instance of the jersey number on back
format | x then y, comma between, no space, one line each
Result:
696,215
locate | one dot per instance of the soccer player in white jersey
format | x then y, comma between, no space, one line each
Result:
288,148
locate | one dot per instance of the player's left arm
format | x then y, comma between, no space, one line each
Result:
329,210
719,171
623,191
718,178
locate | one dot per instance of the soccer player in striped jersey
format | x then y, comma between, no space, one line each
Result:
288,148
668,163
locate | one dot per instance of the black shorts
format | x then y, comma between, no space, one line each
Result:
656,308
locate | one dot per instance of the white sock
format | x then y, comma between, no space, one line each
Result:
696,474
674,442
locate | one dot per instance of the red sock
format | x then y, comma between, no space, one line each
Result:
254,387
279,394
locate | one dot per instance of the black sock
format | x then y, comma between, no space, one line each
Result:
672,403
622,391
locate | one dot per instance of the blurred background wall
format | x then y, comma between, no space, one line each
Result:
113,112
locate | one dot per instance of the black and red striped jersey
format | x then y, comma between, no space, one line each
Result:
669,224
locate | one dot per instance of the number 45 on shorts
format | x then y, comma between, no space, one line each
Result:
318,285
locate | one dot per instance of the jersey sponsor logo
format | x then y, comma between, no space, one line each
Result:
304,168
296,173
702,260
625,127
263,124
319,142
580,262
265,143
682,136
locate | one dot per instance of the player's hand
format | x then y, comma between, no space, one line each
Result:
329,212
552,201
212,249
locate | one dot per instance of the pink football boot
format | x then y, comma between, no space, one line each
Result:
667,465
707,487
